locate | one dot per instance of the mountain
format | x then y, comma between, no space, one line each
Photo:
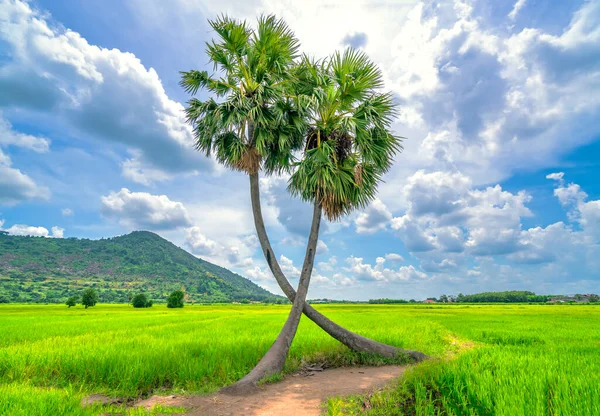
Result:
38,269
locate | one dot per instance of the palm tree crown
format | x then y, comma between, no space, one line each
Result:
251,121
349,144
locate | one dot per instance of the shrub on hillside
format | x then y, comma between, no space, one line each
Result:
175,300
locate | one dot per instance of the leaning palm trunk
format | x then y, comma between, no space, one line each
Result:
274,360
352,340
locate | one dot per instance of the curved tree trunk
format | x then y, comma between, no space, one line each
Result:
274,360
351,339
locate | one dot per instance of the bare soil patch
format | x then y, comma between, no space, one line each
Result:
301,394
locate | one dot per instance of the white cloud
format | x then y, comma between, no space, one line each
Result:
590,218
22,229
97,92
410,273
329,265
9,137
33,231
199,244
394,257
15,186
571,195
229,251
484,225
367,272
477,99
445,214
288,268
322,247
256,273
586,213
437,193
340,279
516,8
374,218
557,176
319,280
136,171
143,210
67,212
412,234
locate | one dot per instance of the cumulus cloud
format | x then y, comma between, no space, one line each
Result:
15,186
97,92
481,98
485,225
228,251
141,210
58,232
340,279
586,213
380,273
258,274
200,244
394,257
329,265
557,176
13,138
288,268
570,195
374,218
590,218
445,214
33,231
322,247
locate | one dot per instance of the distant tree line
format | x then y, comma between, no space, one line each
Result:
511,296
385,301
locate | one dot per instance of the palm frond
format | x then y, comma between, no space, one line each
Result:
234,35
192,81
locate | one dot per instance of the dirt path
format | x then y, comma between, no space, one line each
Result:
295,396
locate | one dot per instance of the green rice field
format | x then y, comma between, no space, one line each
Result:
488,359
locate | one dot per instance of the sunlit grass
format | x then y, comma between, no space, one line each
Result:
493,359
525,360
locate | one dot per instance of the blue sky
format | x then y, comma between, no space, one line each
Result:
497,187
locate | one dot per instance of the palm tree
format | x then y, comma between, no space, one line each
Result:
348,146
260,120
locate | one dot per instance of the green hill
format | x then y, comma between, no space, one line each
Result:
37,269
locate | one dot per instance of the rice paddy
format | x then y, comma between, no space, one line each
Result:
490,359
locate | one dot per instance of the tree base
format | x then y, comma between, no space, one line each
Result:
240,389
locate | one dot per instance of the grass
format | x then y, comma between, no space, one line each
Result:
520,360
494,360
